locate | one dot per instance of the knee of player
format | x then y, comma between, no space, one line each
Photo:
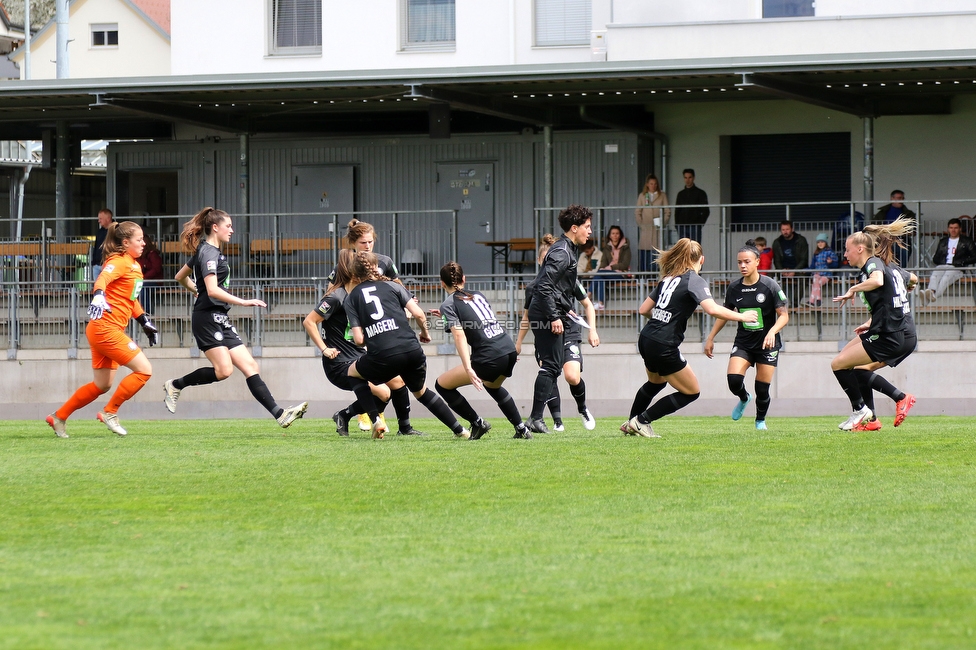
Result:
223,373
572,374
420,393
693,396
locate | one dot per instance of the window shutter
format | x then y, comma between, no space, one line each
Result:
562,22
430,21
297,23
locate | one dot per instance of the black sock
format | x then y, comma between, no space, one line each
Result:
848,381
401,404
364,397
762,399
505,402
456,401
579,394
864,383
352,410
882,385
666,406
440,410
645,394
556,404
542,394
261,393
199,377
737,384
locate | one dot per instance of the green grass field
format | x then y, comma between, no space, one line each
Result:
229,534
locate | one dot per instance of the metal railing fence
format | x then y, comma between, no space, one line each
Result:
53,314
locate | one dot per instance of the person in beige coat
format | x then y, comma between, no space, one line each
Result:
652,222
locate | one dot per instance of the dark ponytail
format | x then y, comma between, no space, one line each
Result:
452,275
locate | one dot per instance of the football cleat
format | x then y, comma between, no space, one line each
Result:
740,408
522,433
902,408
111,420
638,428
625,428
536,426
479,428
464,434
377,429
589,423
761,425
170,394
364,423
558,426
291,414
410,432
856,418
869,425
342,424
57,424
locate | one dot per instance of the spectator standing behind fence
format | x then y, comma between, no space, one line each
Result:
615,261
765,255
689,221
152,269
790,251
954,252
888,213
105,217
651,222
823,258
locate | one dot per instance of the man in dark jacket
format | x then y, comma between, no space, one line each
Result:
689,221
954,252
890,212
791,251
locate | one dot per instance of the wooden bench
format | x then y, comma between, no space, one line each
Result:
522,245
262,252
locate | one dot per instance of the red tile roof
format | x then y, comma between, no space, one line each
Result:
157,10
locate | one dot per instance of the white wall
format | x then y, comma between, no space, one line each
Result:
361,35
142,50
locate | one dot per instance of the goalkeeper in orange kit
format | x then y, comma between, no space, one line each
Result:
116,300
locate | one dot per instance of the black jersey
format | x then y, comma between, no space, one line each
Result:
377,307
675,300
472,314
335,327
208,260
764,298
889,302
384,265
552,296
909,322
572,331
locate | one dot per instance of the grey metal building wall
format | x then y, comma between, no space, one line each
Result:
397,173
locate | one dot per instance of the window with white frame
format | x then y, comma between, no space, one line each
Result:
296,26
427,25
105,35
562,22
787,8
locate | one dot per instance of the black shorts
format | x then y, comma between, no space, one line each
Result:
890,348
337,372
765,357
573,351
213,329
495,368
660,360
410,366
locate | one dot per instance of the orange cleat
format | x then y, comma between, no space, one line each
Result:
869,425
903,407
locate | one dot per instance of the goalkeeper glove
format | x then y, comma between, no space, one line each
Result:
149,329
98,305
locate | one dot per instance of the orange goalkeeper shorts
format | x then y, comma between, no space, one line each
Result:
110,347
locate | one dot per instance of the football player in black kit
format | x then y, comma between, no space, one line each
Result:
335,343
756,344
867,379
361,236
374,308
884,337
667,309
552,299
215,335
491,358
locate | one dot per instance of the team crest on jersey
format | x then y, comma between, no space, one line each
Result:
760,298
212,265
109,268
218,336
133,346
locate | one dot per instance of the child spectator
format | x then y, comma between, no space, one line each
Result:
765,255
823,258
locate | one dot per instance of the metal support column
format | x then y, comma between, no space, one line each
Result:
61,53
62,183
245,189
868,168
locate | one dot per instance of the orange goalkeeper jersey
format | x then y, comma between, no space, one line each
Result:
121,280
